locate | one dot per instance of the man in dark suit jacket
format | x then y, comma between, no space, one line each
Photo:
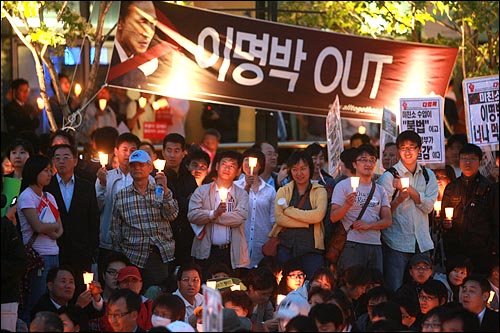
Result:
475,293
61,290
76,199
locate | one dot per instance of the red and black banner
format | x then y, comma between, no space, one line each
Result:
209,56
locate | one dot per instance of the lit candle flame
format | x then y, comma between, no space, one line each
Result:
449,213
78,89
405,182
159,164
87,278
40,103
103,159
155,105
142,101
437,207
252,163
102,104
354,183
223,194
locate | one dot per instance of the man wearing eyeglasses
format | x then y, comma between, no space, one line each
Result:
122,311
409,233
473,230
363,246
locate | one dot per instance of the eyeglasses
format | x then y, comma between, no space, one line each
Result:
297,276
193,280
421,268
469,159
112,272
367,160
430,326
426,298
409,148
118,315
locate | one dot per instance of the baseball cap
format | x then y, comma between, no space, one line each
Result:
180,326
420,258
128,271
139,156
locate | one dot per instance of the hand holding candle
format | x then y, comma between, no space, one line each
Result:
103,159
405,182
252,163
87,278
448,220
40,103
223,194
159,164
354,183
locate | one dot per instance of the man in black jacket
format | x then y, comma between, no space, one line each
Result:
473,231
77,202
474,296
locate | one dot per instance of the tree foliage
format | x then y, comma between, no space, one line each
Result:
475,24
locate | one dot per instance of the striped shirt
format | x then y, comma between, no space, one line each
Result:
138,222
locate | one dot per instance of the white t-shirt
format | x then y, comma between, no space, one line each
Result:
43,244
372,213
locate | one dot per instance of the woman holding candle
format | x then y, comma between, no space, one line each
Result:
260,218
299,224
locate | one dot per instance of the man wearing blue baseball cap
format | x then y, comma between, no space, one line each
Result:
140,226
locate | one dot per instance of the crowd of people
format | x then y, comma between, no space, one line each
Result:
152,236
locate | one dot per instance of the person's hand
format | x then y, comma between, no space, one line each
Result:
271,325
84,299
101,175
96,290
282,174
249,180
396,183
403,195
351,199
161,180
360,225
447,224
221,209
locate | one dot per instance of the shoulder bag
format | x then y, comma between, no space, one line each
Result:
336,244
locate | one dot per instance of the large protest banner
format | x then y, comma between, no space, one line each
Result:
204,55
481,100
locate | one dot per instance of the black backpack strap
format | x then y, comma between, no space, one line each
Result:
426,174
395,174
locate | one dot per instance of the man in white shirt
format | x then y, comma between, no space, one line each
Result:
188,288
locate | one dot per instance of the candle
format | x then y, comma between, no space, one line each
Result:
405,182
103,159
40,103
492,295
142,101
78,89
102,104
159,164
235,287
252,163
155,105
212,284
449,213
354,183
223,194
87,278
437,207
282,203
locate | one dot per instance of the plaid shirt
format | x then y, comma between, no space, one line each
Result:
138,222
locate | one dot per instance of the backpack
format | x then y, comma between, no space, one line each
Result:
395,174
